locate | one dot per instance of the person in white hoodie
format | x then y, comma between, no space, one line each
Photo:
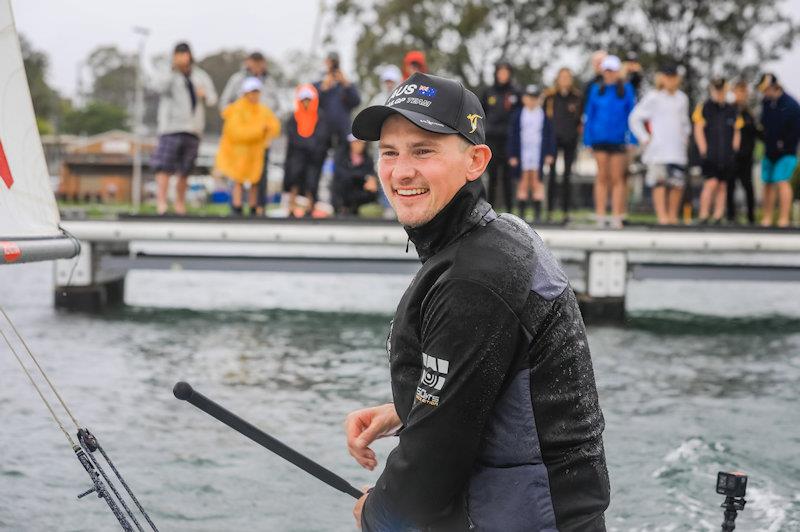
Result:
661,123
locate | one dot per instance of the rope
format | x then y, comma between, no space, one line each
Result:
125,485
22,340
110,484
36,387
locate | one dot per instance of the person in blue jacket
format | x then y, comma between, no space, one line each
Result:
606,132
337,99
530,146
780,119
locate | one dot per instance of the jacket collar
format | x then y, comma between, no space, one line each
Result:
467,210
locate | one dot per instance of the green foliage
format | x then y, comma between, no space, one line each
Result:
95,118
113,76
45,99
733,38
463,38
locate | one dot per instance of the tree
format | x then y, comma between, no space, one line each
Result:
113,76
96,117
46,100
733,38
462,38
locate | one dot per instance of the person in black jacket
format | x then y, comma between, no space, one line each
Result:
743,160
354,177
563,106
494,401
307,138
499,102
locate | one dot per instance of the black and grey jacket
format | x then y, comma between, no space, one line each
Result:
492,379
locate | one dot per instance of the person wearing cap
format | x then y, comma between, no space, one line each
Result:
337,98
606,132
414,61
661,123
183,93
563,106
307,141
743,161
390,77
531,145
596,62
248,127
716,132
780,120
354,177
494,405
632,72
500,101
255,65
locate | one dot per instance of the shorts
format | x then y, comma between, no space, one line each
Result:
670,175
530,158
778,171
175,153
608,147
302,170
717,170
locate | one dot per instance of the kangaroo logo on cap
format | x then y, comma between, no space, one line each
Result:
473,121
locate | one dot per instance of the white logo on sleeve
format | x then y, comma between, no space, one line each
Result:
433,377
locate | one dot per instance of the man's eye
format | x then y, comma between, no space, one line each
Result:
423,151
388,153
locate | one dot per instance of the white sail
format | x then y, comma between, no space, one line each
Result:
28,210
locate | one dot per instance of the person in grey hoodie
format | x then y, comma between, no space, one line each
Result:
183,92
255,65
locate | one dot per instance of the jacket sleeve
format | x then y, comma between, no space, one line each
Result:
469,340
230,92
548,141
350,97
208,85
637,118
513,141
163,83
590,112
630,103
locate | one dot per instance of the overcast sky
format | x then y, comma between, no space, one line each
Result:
68,30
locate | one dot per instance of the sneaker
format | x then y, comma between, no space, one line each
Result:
616,222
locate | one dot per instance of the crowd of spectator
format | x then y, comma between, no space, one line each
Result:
619,115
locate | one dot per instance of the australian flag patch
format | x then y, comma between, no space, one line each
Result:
426,90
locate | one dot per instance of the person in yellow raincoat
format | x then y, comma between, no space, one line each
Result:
249,126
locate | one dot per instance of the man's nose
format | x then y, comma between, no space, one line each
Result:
403,168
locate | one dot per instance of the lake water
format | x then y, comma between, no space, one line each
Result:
704,377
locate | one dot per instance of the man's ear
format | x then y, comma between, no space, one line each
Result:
479,157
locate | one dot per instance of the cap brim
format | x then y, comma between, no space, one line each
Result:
368,123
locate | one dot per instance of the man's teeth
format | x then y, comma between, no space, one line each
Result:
412,191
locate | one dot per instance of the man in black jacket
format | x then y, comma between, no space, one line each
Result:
499,102
494,400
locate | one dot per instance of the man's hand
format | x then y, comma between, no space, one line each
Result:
513,162
359,507
364,426
200,92
371,184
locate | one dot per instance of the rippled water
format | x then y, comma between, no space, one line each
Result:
685,393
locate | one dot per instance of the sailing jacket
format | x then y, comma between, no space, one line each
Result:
781,121
607,111
566,113
499,103
179,109
719,121
492,379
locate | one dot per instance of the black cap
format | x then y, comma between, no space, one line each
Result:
669,69
632,57
533,90
768,79
435,104
182,48
718,83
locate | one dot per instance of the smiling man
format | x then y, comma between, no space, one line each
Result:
494,399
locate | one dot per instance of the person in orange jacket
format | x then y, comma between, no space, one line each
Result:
248,128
